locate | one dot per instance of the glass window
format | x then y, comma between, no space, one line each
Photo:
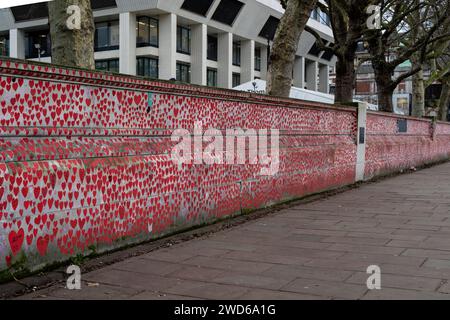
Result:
360,47
107,65
183,40
114,33
236,79
258,59
38,41
154,32
237,53
101,35
197,6
147,32
315,14
102,4
147,67
183,72
324,18
320,16
227,11
30,12
101,65
212,48
4,45
211,77
270,27
143,31
107,36
114,65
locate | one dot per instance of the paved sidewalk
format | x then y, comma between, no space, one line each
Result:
319,250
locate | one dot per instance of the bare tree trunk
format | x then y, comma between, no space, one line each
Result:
385,100
72,45
385,90
285,45
418,95
383,78
345,79
348,19
418,84
444,100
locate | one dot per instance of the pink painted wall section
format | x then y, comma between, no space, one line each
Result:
85,159
388,150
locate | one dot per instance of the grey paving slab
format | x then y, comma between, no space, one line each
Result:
147,266
327,289
207,290
399,281
262,294
402,294
289,271
88,291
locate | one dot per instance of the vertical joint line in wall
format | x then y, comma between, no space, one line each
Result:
240,195
433,128
149,102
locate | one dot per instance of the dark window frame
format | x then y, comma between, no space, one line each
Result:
237,51
202,10
235,76
109,47
5,50
31,51
41,9
328,55
30,12
103,4
143,73
269,28
180,47
315,50
149,42
258,59
108,62
213,56
230,10
187,68
211,72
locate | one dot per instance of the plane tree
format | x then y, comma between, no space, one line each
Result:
72,32
285,45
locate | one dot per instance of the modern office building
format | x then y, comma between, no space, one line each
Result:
219,43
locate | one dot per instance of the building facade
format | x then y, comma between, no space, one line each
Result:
219,43
366,87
